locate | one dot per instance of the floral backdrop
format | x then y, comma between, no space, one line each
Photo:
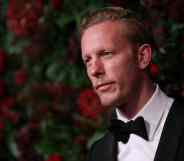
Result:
48,111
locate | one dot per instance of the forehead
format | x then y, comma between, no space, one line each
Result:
105,34
109,27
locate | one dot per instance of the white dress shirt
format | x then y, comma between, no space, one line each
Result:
155,112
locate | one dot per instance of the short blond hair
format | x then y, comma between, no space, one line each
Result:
138,33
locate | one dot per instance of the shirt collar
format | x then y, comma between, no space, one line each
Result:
152,111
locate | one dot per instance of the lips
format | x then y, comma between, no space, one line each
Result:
103,86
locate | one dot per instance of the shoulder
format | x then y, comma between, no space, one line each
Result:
178,104
102,142
176,112
101,148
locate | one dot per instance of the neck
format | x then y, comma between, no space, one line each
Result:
140,98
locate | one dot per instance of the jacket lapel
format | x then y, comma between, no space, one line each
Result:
108,149
172,130
104,149
110,144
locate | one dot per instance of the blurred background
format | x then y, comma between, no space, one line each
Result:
48,111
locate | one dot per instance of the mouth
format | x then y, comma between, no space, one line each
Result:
104,86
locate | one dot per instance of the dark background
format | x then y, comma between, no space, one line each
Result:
47,109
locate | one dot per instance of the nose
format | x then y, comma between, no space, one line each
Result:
96,69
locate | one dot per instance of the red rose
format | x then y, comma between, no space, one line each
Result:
23,16
2,125
89,104
2,88
80,140
21,77
55,157
58,89
56,4
7,103
7,113
154,70
2,60
11,116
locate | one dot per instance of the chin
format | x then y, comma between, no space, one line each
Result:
107,102
108,99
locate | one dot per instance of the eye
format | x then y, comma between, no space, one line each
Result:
107,53
86,60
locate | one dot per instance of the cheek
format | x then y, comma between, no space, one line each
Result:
89,76
123,73
116,70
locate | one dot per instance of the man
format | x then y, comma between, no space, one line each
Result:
117,50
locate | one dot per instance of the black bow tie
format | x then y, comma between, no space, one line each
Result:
123,130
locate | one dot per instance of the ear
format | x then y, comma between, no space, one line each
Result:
144,55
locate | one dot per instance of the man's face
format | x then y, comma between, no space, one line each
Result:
111,62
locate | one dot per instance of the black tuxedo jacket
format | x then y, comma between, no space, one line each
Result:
170,148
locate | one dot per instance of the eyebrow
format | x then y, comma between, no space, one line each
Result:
99,51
